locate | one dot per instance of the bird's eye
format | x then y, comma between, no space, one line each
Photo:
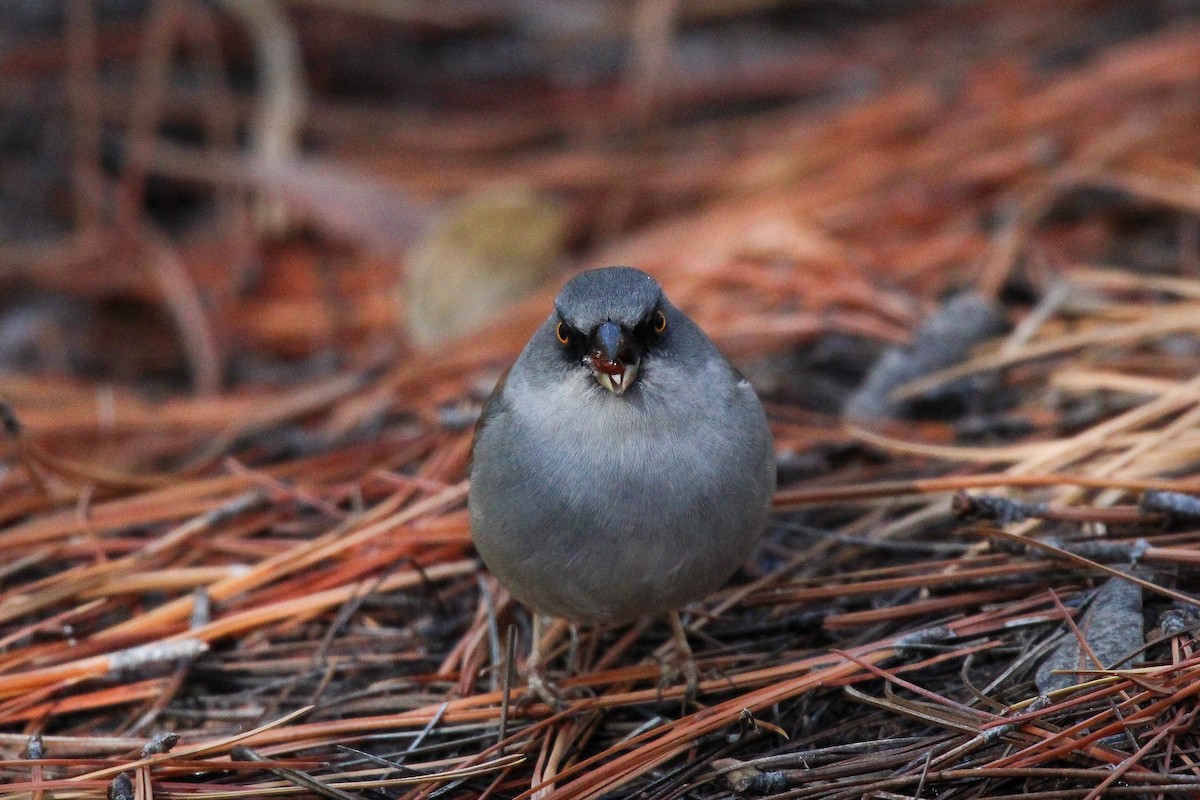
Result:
560,331
660,322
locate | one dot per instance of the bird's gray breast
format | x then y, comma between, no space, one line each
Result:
603,508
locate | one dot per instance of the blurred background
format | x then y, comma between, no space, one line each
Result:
261,261
198,197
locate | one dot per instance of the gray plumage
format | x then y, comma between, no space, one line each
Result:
603,506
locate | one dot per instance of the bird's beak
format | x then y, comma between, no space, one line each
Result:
613,358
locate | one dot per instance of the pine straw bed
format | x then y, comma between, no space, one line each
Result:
272,591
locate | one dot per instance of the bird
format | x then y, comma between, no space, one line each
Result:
622,467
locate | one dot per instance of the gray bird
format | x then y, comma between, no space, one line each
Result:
622,468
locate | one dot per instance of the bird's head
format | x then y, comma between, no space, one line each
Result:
607,320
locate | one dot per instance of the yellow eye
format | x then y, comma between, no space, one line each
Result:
660,322
560,331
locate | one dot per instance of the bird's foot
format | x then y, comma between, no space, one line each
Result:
676,666
541,688
680,662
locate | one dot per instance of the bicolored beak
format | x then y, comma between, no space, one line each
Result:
613,358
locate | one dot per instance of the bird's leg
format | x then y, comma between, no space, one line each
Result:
539,685
573,648
682,660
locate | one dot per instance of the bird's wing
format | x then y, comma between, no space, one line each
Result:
491,407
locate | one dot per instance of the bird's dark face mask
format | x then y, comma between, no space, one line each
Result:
613,357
